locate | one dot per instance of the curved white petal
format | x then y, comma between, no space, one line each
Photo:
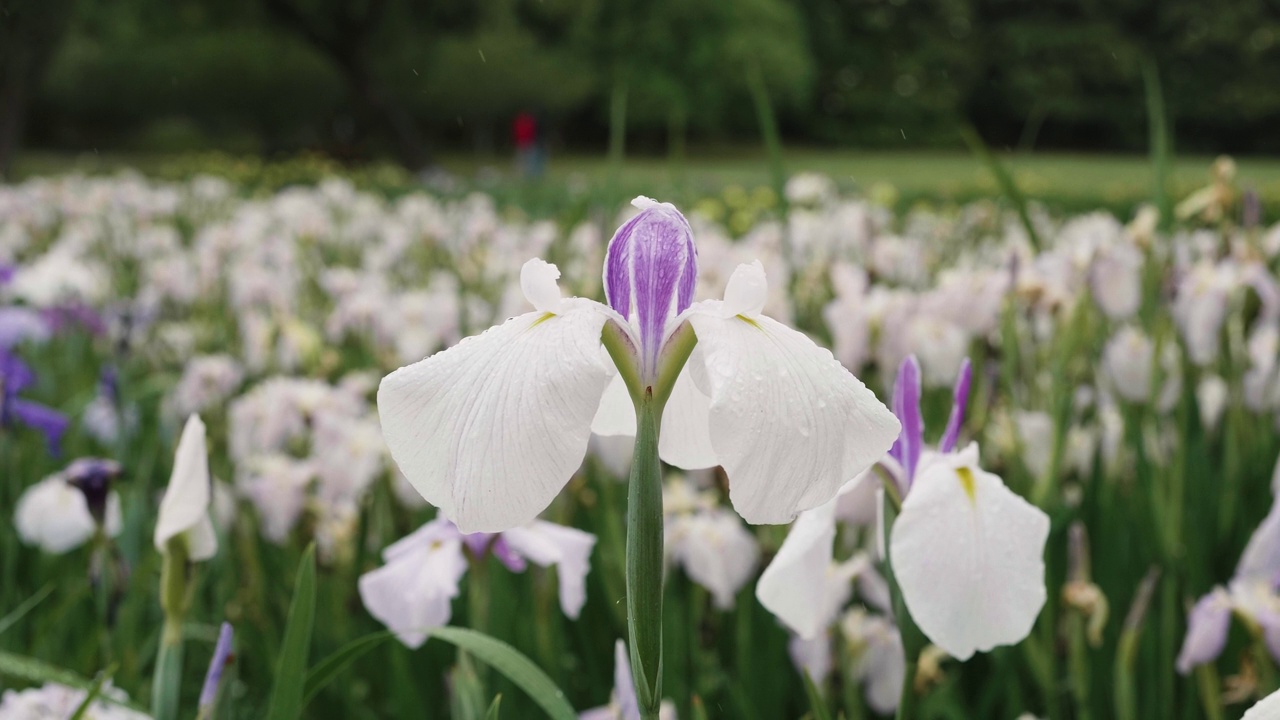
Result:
685,439
968,554
718,553
1261,557
616,415
798,585
812,655
55,517
1268,708
788,422
538,282
569,549
185,506
492,428
414,593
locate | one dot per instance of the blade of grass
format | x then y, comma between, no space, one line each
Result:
286,693
513,665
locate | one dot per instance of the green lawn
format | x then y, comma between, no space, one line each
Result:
1065,181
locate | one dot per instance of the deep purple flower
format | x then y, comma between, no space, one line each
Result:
15,377
93,477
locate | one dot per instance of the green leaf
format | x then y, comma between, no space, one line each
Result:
326,670
819,705
291,673
27,606
36,671
93,693
493,709
514,666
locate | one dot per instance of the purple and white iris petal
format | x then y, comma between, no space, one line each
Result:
569,549
1207,628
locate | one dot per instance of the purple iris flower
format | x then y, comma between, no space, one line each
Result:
906,406
65,317
222,657
7,272
15,377
93,477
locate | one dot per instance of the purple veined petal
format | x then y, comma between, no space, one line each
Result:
959,404
48,421
906,406
508,556
650,270
1207,628
221,658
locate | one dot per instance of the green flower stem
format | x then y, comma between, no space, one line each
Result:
913,640
644,560
167,682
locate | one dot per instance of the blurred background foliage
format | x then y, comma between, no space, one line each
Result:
367,79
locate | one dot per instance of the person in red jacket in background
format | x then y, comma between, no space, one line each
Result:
524,131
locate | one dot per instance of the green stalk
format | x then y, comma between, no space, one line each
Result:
1158,133
167,683
644,559
913,640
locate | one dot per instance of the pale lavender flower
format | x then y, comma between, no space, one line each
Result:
413,591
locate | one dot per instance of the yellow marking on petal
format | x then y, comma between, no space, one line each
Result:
966,479
545,317
750,322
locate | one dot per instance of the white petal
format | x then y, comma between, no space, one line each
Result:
812,656
1268,708
789,424
186,501
747,291
414,593
55,517
538,282
1261,557
492,428
616,414
685,439
968,554
569,549
718,553
795,585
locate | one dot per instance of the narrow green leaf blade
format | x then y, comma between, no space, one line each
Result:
514,666
27,606
291,673
816,702
326,670
94,693
493,709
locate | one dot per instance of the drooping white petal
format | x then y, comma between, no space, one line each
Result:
802,586
685,440
717,552
812,656
880,660
968,554
54,516
185,506
1261,557
569,549
414,592
788,423
1268,708
492,428
616,414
